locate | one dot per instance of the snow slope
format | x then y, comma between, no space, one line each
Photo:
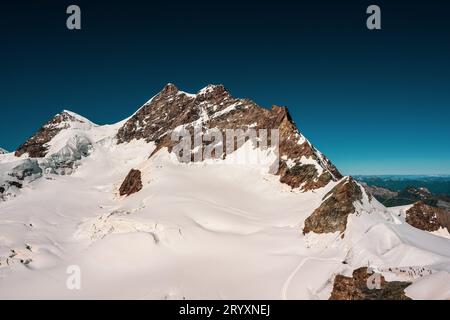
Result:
207,230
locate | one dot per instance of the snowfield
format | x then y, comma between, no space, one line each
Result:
195,231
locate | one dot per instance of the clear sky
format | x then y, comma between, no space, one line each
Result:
375,102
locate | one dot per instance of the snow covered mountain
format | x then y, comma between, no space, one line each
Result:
116,202
3,151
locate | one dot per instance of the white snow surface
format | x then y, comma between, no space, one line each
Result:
211,230
440,282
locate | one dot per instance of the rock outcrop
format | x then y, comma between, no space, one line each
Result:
214,108
132,183
427,218
337,205
357,288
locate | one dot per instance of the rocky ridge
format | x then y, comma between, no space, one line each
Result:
214,107
337,205
427,218
301,165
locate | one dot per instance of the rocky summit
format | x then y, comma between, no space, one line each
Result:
214,107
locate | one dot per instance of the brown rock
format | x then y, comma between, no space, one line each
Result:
333,213
356,288
427,218
171,108
132,183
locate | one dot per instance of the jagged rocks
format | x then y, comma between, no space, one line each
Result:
132,183
305,176
427,218
357,288
36,146
160,115
333,213
298,174
214,108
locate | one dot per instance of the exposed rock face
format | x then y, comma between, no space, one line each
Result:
36,146
132,183
427,218
333,213
213,107
164,112
356,288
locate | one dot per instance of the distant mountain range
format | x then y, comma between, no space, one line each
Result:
403,190
436,184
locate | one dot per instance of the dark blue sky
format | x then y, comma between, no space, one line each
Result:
375,102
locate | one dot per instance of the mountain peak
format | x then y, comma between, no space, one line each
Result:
36,146
169,89
3,151
215,95
67,117
212,89
213,107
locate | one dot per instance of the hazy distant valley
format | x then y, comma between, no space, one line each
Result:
397,190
